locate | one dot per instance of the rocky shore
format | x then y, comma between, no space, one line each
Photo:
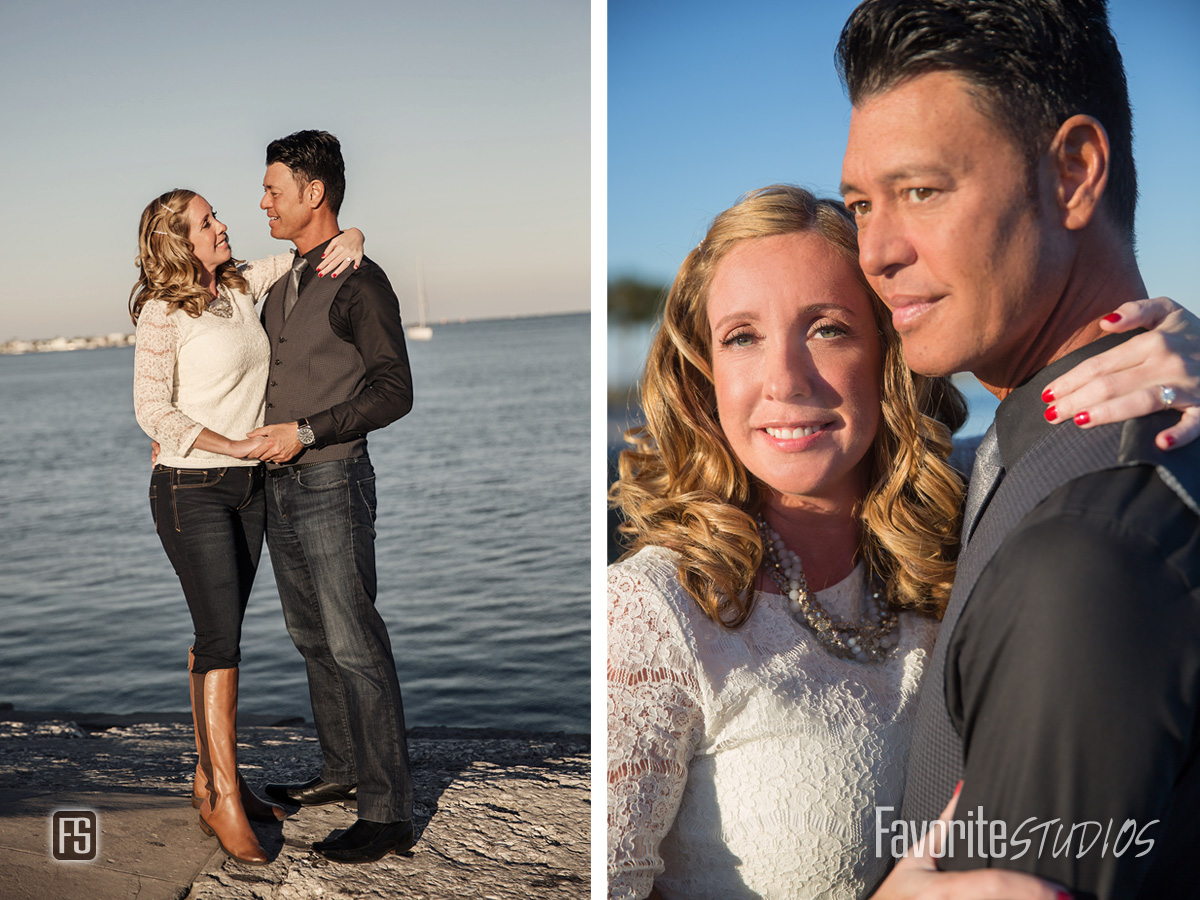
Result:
498,814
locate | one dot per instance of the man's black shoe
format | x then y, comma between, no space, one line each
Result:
367,841
313,793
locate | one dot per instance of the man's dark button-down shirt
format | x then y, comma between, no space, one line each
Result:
366,313
1073,677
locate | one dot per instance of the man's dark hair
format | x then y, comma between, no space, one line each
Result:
313,156
1037,63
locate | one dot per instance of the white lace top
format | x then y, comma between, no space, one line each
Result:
208,372
748,763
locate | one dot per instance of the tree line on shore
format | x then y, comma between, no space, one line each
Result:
632,299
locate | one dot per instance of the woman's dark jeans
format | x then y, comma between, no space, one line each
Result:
211,523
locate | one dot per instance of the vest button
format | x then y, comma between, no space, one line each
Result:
270,406
273,383
282,339
279,362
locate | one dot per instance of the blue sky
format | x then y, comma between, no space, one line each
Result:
464,124
710,99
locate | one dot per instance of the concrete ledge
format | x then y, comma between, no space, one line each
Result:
134,858
499,814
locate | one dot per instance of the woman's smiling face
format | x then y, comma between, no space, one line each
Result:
797,362
207,234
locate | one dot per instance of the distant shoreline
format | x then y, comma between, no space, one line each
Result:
19,347
64,344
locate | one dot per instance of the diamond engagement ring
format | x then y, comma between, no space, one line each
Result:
1166,395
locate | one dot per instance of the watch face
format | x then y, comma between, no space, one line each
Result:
305,435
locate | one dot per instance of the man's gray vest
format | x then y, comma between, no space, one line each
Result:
1065,453
312,368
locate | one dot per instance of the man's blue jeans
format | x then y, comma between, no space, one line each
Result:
321,532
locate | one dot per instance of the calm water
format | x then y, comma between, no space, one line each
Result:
482,540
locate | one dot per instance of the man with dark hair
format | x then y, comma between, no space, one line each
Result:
312,156
990,169
321,496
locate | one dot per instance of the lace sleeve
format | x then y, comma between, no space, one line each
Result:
654,725
154,380
260,274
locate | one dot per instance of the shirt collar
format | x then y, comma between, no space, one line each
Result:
313,256
1021,418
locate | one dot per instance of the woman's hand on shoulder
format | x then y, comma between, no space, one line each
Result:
917,876
344,249
1138,377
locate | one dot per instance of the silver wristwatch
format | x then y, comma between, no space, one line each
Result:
304,433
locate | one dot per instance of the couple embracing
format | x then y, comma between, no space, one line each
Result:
786,714
262,427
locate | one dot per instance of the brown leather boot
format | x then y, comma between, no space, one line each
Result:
221,814
256,808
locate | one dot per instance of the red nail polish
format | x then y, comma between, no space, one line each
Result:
957,788
1113,317
1051,414
1170,439
335,274
1063,895
1047,396
320,274
1082,418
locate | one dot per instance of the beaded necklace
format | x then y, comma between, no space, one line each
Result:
220,305
869,640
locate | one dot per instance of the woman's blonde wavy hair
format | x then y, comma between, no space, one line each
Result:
682,487
168,268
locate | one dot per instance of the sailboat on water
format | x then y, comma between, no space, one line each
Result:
420,331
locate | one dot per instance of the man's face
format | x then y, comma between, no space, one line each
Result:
949,235
286,213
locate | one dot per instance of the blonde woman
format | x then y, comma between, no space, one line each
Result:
200,376
794,527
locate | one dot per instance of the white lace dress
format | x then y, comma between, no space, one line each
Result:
205,372
748,763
